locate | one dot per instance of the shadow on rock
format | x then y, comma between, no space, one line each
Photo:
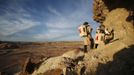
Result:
122,64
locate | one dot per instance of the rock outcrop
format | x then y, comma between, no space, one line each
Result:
115,58
117,15
61,65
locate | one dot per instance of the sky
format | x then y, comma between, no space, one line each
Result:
44,20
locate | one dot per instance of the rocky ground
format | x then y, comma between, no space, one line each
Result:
115,58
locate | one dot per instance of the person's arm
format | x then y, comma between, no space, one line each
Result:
90,28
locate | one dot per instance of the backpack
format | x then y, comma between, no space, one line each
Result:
82,30
97,37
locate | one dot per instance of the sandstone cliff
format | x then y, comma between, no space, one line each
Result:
117,15
116,58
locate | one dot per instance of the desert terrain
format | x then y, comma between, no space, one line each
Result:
13,55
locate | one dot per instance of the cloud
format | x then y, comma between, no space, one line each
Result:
57,36
8,27
47,36
43,22
56,29
59,23
15,20
54,11
63,26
